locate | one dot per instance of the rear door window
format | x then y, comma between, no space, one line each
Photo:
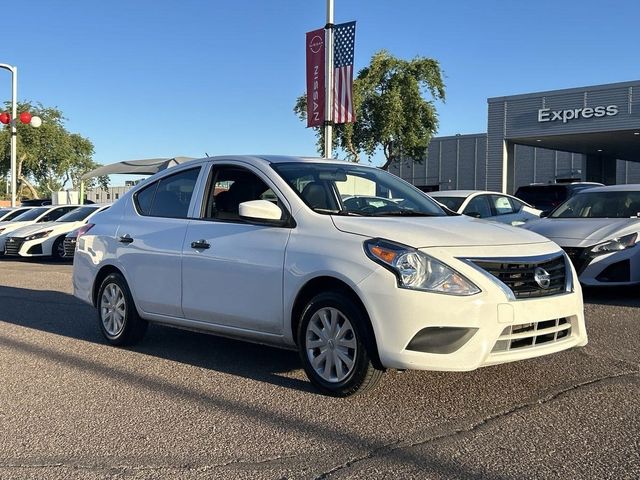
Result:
502,205
479,207
173,195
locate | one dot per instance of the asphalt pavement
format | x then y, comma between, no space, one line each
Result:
188,405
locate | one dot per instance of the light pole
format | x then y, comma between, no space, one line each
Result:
14,129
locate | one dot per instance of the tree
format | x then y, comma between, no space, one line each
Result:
392,113
49,157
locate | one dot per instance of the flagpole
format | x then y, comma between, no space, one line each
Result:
328,73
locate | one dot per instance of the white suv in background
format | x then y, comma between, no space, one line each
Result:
265,249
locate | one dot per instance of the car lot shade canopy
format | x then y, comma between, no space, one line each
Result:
147,166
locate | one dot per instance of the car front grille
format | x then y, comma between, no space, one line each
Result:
531,335
12,245
579,257
69,247
528,278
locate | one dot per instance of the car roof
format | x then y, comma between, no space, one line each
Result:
631,187
462,193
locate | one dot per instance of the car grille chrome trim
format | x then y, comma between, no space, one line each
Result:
532,335
518,274
12,245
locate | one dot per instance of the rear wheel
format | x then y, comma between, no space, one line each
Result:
118,318
334,347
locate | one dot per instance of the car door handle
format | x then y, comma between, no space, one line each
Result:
125,238
200,245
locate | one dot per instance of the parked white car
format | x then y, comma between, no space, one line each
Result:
32,216
599,228
495,206
8,214
47,239
198,246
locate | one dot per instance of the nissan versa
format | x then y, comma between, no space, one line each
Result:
264,249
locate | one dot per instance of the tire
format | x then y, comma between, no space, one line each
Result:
118,317
334,346
57,250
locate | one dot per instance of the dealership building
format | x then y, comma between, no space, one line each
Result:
581,134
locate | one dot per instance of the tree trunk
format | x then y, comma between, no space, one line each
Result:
24,182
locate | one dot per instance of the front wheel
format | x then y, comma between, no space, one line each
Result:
118,318
57,250
334,347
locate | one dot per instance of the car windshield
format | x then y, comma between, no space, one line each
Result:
600,205
351,189
77,215
31,214
452,203
14,214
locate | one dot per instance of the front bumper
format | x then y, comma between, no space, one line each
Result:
22,248
613,269
398,315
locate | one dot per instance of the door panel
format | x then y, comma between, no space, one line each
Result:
237,281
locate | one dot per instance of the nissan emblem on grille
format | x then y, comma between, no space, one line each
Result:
542,277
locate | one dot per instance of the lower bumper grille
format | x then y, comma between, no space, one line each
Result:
12,245
531,335
69,247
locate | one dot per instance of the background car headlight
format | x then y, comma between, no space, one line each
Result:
416,270
35,236
615,245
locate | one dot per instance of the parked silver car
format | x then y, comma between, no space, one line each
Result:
599,230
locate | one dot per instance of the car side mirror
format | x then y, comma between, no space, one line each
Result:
544,214
262,212
473,214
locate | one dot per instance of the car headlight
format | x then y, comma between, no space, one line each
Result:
615,245
416,270
35,236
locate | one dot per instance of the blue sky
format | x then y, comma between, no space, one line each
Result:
158,78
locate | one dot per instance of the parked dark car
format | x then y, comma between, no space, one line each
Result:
35,202
546,197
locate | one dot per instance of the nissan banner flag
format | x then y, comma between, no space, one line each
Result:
315,78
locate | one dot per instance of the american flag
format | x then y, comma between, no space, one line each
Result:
344,38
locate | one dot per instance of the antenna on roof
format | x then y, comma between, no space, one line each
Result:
206,154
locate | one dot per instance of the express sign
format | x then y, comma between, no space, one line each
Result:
548,115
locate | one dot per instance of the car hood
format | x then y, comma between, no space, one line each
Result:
422,232
587,230
10,227
56,227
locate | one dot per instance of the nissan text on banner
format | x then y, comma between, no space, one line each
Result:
315,78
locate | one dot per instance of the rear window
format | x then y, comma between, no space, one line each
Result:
452,203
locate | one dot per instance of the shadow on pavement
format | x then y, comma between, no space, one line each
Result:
619,296
73,318
62,314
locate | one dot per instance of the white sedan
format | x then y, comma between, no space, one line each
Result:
495,206
47,239
599,229
265,249
8,214
30,217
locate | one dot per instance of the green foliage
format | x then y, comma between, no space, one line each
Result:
394,102
49,158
